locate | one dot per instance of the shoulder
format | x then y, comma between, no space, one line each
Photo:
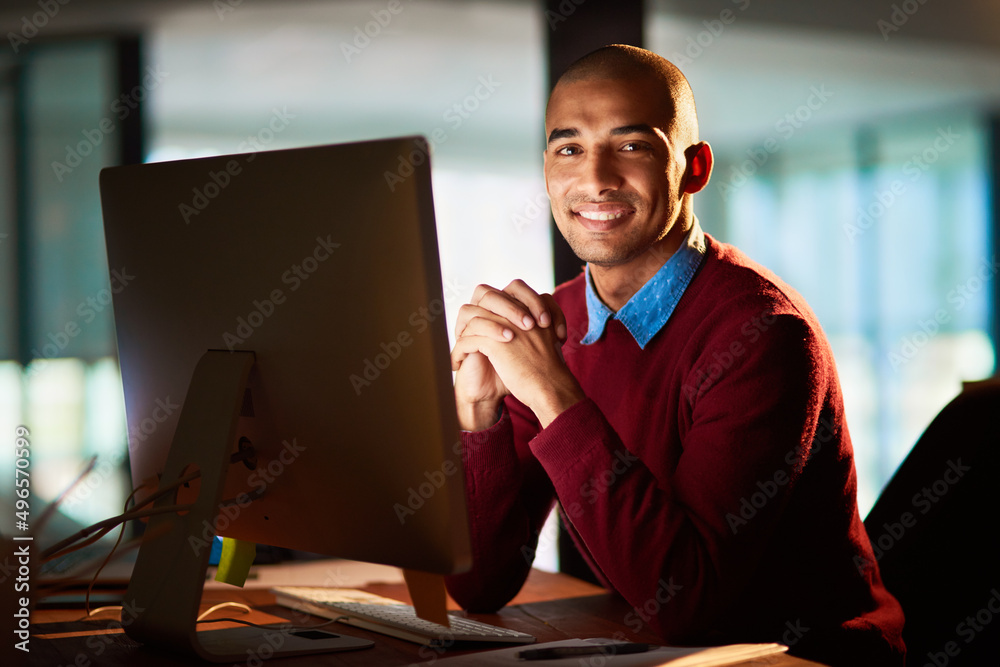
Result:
738,326
734,303
729,282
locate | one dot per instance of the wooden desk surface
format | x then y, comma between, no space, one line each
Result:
550,606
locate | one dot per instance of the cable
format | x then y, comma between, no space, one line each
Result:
160,492
108,524
237,620
272,626
107,559
97,611
114,521
95,532
70,548
222,605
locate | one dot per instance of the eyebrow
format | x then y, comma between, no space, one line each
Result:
640,128
563,133
569,132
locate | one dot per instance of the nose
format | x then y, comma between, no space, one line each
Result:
599,174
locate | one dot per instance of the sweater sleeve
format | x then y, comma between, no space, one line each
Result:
508,498
667,539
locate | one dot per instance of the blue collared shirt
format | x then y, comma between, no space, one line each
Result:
649,308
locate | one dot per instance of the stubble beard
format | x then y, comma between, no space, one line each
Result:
606,254
610,252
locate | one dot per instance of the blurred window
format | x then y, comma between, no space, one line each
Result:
884,230
60,117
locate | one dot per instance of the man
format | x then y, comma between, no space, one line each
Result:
680,402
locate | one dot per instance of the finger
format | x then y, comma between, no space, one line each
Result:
505,305
558,317
469,312
537,304
468,345
465,313
458,355
488,325
462,349
480,292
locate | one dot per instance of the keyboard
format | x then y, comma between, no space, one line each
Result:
391,617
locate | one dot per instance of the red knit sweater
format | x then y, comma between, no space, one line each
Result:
708,479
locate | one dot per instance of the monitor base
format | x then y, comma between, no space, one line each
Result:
161,605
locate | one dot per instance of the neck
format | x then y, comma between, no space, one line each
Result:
615,285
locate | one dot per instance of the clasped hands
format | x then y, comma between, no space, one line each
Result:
509,342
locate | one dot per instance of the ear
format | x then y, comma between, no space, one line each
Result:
699,167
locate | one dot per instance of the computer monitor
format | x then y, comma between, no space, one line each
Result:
280,324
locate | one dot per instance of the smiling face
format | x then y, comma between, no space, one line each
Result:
615,170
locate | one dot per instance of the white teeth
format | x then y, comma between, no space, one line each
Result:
594,215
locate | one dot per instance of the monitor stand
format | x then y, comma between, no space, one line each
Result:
161,605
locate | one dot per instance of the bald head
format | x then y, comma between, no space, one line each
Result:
629,63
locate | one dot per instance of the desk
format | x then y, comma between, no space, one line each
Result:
550,607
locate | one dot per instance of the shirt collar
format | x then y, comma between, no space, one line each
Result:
649,308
